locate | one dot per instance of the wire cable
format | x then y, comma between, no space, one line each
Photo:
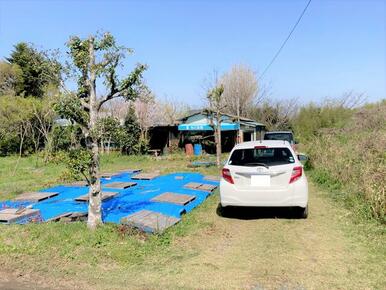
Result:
285,41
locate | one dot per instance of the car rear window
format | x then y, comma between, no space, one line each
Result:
279,136
261,157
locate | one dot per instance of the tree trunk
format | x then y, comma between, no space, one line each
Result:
94,206
218,141
22,134
95,202
108,145
102,146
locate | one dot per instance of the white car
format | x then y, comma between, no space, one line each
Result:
264,173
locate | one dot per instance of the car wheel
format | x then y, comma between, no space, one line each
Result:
222,210
303,212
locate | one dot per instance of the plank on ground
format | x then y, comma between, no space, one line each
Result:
120,185
105,195
212,178
150,221
13,215
200,186
192,185
129,170
69,216
35,196
207,187
175,198
107,174
145,176
77,183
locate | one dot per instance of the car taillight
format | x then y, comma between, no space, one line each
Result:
226,174
261,147
296,173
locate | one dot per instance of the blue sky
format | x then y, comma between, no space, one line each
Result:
339,45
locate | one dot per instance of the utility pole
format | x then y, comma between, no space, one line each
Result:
239,132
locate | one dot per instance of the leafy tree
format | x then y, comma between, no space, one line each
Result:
78,162
66,137
11,79
132,133
94,58
15,123
215,117
38,68
25,124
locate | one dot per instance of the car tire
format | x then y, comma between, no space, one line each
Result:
303,212
222,210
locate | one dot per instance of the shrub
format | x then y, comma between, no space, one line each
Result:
353,159
21,125
312,118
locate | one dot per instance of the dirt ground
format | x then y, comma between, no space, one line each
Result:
247,249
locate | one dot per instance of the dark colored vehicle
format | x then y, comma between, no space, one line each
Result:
281,135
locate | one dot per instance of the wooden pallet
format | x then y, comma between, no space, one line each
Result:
150,221
192,185
107,174
105,195
200,186
120,185
69,217
207,187
145,176
212,177
14,215
175,198
77,183
129,170
35,196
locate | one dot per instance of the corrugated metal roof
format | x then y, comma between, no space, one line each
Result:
205,112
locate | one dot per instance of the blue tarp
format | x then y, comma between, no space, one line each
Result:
128,201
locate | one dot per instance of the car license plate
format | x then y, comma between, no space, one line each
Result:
260,180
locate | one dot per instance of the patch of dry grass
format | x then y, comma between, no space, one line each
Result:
353,160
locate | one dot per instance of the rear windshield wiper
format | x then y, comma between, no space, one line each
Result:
258,164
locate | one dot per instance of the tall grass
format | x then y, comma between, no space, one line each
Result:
352,160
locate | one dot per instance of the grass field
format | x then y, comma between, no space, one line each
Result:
250,249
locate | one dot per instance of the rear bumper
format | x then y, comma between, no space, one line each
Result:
295,195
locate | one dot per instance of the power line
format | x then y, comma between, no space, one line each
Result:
285,41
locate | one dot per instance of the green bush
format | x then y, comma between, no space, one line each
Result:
352,160
312,118
22,121
65,137
130,137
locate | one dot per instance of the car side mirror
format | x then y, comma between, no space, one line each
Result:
296,142
303,158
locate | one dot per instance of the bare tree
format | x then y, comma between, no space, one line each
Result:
276,115
169,110
44,116
240,90
146,110
349,100
117,108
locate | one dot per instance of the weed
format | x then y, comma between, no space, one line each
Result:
351,161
